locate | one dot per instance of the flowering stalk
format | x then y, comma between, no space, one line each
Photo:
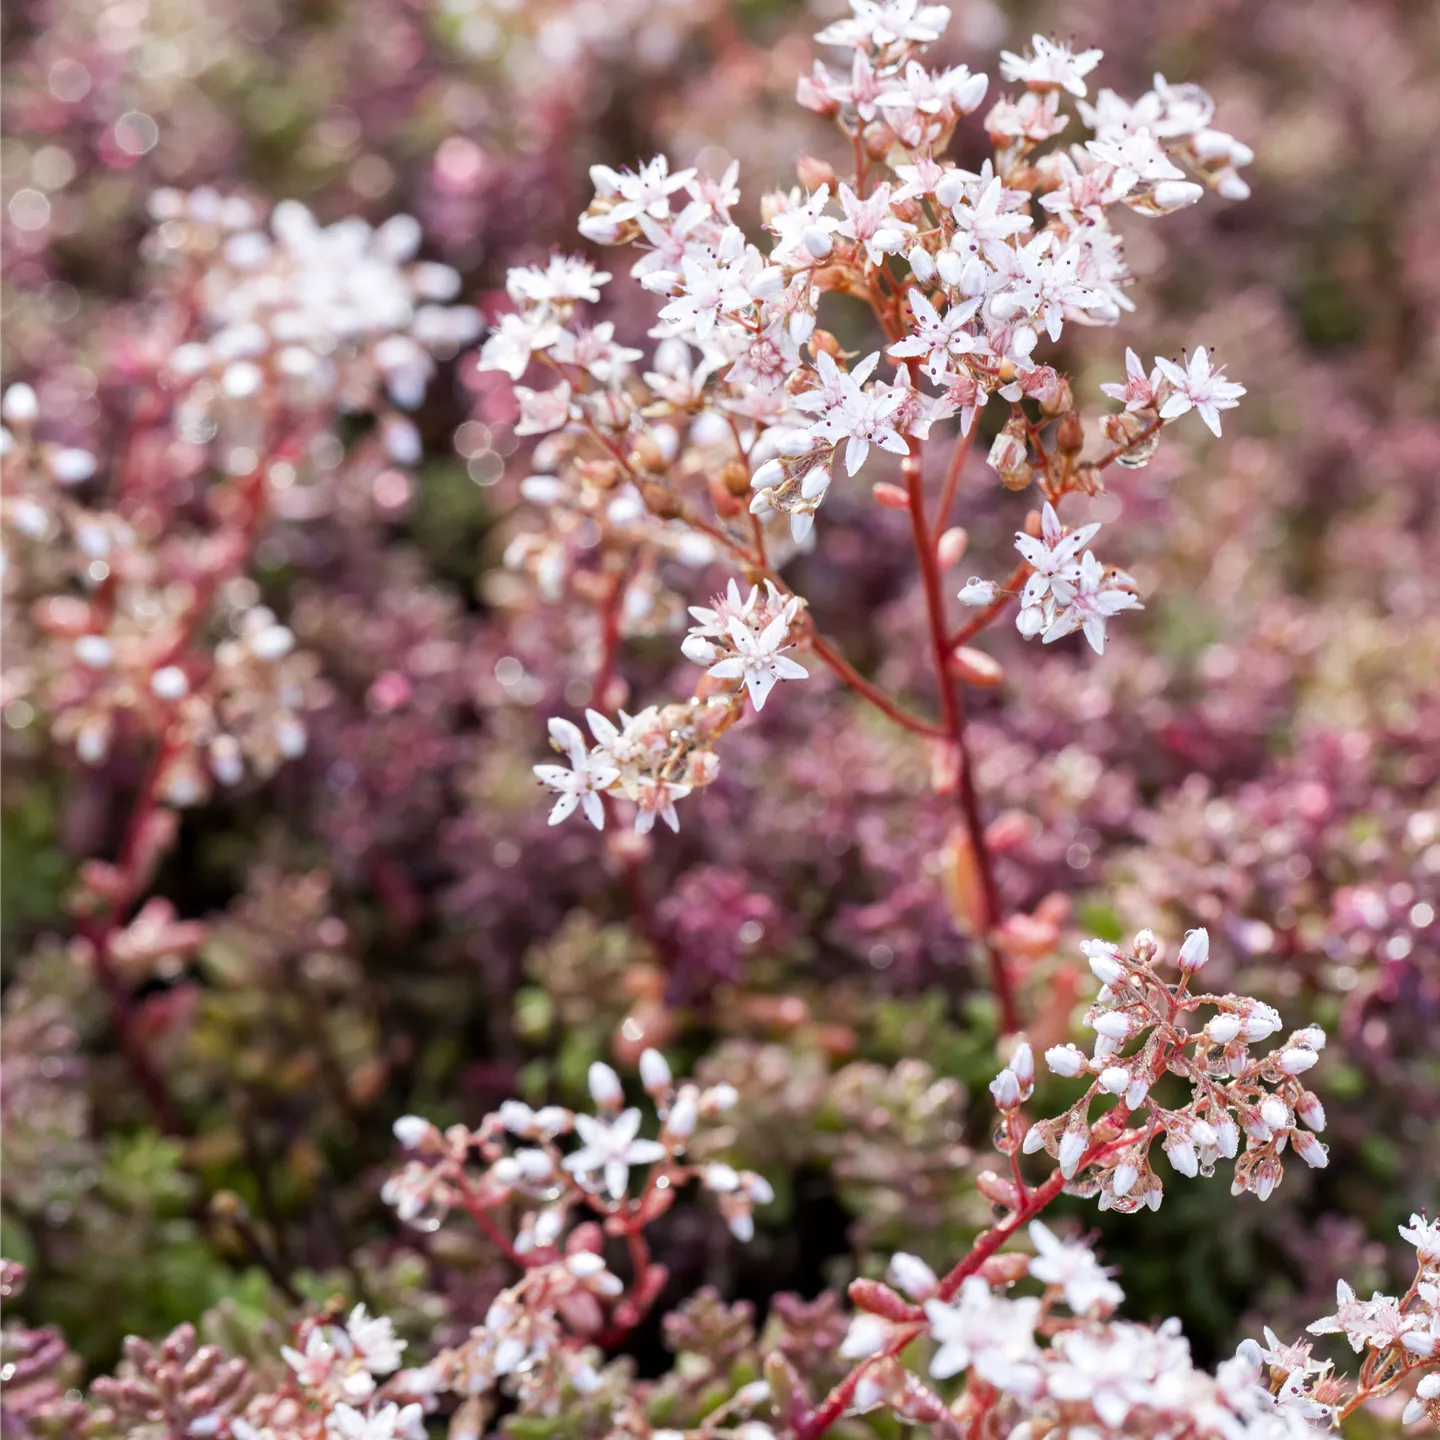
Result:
1106,1157
745,394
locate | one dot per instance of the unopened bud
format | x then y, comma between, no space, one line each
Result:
912,1275
660,501
814,172
1007,1269
1070,434
680,1124
1311,1111
1058,400
1008,831
727,506
892,497
951,546
976,668
817,241
1126,1173
605,1087
1073,1144
1222,1029
1171,195
979,592
878,1299
1066,1060
1195,951
654,1071
996,1189
922,264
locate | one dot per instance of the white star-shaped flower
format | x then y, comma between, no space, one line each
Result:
589,774
611,1148
1198,387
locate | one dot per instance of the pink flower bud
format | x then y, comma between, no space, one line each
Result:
1073,1144
950,548
1195,951
1005,1087
1311,1111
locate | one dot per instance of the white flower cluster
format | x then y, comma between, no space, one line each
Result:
1171,390
238,709
744,393
247,712
651,759
539,1333
1067,590
1141,1033
340,1373
112,633
524,1162
596,396
1399,1335
37,508
1094,1375
746,639
304,313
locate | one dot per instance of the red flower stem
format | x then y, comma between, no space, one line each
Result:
493,1233
882,701
952,480
952,712
609,639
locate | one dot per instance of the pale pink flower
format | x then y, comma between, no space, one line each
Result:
760,659
1138,390
1050,64
589,775
1198,387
